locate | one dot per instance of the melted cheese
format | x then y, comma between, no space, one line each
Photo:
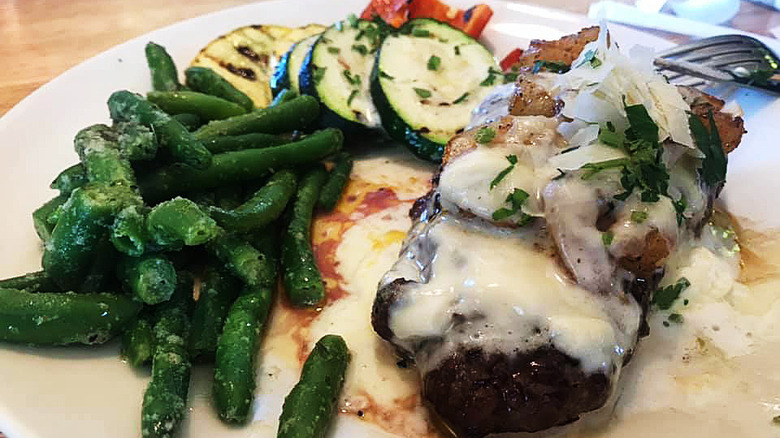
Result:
572,207
628,233
465,182
512,296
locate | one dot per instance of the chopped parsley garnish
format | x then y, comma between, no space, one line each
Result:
638,216
354,80
510,77
493,74
352,95
422,92
486,135
353,20
551,66
374,33
643,170
609,136
607,237
360,48
457,50
334,50
461,98
713,166
594,168
317,74
434,62
382,74
641,125
422,33
490,79
758,77
679,207
516,200
590,57
664,298
501,175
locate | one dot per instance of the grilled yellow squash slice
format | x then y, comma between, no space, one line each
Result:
247,56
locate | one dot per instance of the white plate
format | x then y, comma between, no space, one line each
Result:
88,392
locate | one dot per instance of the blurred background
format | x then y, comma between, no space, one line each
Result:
43,38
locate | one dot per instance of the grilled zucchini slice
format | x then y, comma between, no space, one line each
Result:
427,79
287,72
246,56
337,71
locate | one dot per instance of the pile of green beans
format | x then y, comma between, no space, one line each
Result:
158,196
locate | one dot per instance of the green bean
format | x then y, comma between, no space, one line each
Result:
161,66
63,318
228,196
136,141
42,217
240,142
207,81
263,207
205,106
83,221
242,259
165,399
128,232
302,279
138,340
267,242
178,222
311,405
101,275
289,116
98,149
31,282
204,199
337,180
171,135
285,95
150,278
70,179
189,121
218,290
189,257
240,166
234,363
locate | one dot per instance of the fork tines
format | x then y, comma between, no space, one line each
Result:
725,58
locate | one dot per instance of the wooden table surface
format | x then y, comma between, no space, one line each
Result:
43,38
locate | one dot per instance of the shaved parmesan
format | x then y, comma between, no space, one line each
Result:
603,80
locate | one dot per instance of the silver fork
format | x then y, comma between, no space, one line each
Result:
740,59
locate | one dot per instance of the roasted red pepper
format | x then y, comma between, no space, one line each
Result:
393,12
511,59
397,12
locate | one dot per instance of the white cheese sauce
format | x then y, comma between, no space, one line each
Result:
687,379
513,298
532,140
